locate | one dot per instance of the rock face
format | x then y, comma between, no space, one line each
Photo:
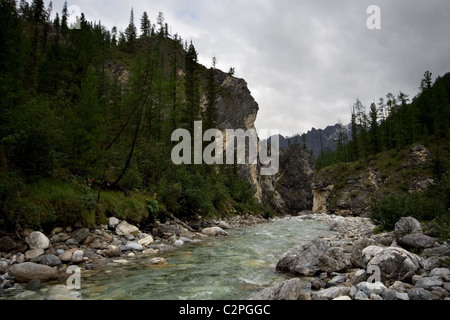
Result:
295,178
28,271
303,260
237,109
287,290
37,240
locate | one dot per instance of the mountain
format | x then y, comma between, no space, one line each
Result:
318,140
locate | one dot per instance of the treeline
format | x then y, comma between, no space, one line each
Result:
395,122
96,109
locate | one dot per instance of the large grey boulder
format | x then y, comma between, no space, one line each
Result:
50,260
416,241
418,293
37,240
334,260
113,222
394,263
331,293
304,260
407,225
80,235
28,271
131,245
287,290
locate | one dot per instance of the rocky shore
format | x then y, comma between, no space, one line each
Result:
31,258
356,264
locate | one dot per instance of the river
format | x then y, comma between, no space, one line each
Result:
224,268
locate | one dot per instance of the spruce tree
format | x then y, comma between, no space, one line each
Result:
131,31
145,25
192,86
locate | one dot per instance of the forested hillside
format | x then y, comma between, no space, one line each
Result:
86,117
397,164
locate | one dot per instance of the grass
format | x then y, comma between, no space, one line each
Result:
50,202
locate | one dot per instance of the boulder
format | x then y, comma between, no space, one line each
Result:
157,261
113,222
394,263
131,245
369,253
7,244
304,259
418,293
78,256
25,272
80,235
224,225
178,243
334,260
37,240
371,288
66,256
443,273
287,290
62,292
50,260
214,232
146,241
429,282
416,241
407,225
331,293
126,229
357,249
30,254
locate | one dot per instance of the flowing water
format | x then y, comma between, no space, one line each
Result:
229,268
223,268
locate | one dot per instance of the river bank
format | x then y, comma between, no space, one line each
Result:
357,264
31,258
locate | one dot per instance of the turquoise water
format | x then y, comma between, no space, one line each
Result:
225,268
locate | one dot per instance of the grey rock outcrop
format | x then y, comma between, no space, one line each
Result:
287,290
304,259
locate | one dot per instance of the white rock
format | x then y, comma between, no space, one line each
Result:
224,225
126,229
178,243
37,240
214,231
77,256
113,222
370,252
157,261
343,298
131,245
146,241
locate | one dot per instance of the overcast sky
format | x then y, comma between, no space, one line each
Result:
305,61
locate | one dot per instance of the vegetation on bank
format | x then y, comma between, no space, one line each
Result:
381,141
86,121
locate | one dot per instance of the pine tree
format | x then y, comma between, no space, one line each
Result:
145,25
131,31
64,19
373,122
192,87
210,114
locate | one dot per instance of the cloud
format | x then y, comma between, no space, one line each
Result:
305,61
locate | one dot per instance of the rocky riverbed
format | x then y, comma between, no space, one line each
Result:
31,258
356,264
